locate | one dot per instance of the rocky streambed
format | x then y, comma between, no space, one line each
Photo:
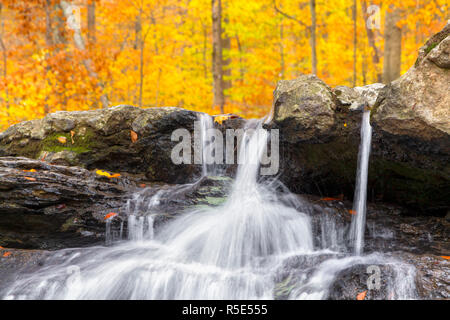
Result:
60,176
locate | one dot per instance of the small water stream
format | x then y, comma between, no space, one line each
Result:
358,225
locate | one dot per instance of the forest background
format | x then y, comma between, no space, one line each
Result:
213,56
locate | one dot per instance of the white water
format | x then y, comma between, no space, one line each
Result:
359,202
206,123
239,250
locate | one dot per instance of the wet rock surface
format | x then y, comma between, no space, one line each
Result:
103,139
430,273
46,206
54,206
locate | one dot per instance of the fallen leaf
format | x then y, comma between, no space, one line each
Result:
446,257
352,211
134,136
44,156
29,178
6,254
107,174
110,215
345,124
330,199
142,185
1,247
31,170
62,139
72,133
361,296
222,117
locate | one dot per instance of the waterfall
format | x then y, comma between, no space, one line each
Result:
254,246
359,202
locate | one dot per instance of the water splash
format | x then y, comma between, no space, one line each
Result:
359,203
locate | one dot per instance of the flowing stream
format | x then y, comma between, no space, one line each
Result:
259,244
359,203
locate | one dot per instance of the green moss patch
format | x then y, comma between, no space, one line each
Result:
82,143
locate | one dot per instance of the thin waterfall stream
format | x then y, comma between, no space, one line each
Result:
242,249
359,202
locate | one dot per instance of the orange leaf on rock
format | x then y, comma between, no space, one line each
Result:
142,185
329,199
361,296
6,254
134,136
352,211
44,156
115,175
30,179
62,139
72,133
31,170
446,257
110,215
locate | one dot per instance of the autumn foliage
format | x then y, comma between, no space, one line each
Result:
154,53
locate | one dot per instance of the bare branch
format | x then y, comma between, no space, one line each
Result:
288,16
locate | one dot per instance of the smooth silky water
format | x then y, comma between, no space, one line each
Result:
241,249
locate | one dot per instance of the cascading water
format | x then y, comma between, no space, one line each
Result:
359,203
242,249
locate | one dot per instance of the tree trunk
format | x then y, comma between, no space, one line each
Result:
140,43
226,46
282,62
355,41
217,55
5,61
79,43
371,39
59,36
91,22
312,5
392,47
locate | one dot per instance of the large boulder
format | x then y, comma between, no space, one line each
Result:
304,107
418,103
102,139
411,143
320,134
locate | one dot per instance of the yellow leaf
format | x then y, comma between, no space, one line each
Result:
31,170
62,139
222,117
107,174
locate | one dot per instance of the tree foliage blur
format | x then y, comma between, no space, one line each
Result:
86,54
